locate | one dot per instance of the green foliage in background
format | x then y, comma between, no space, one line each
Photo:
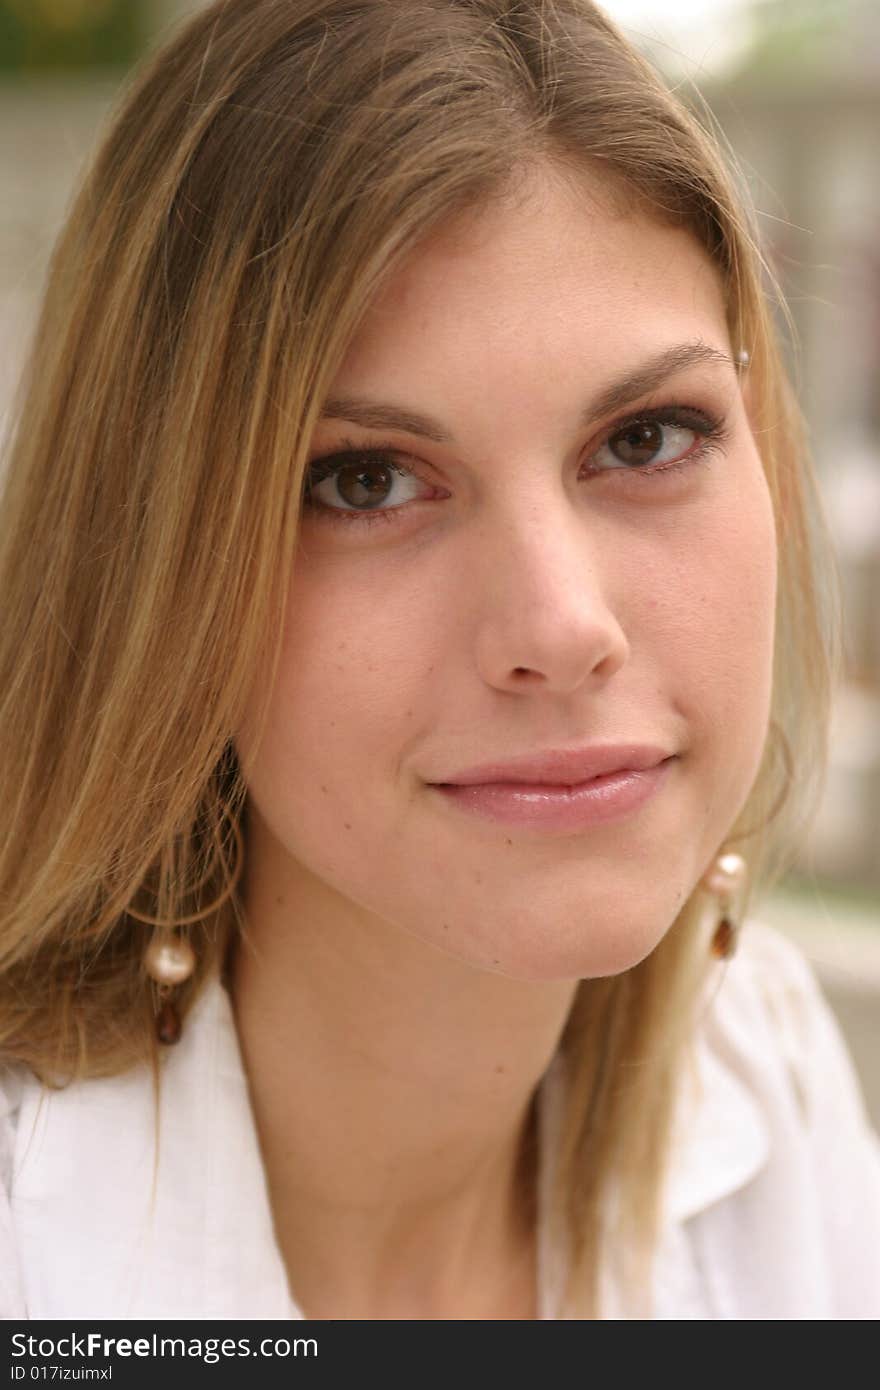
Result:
65,35
796,37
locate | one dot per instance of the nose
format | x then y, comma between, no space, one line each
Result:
545,621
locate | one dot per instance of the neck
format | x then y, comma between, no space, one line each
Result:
393,1091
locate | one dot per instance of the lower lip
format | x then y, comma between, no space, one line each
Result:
602,799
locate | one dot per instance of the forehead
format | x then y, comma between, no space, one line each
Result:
562,276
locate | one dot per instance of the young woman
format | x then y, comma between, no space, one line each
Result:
416,659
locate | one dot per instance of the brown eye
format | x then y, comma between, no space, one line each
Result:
364,484
637,443
352,483
358,482
656,442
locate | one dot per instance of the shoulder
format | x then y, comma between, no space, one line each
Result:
798,1233
770,995
132,1202
12,1080
12,1083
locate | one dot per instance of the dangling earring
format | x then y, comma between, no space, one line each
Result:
725,879
169,960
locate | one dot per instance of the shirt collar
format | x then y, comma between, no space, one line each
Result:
201,1242
720,1138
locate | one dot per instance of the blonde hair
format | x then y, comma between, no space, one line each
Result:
267,169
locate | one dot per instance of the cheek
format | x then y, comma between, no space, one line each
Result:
346,695
724,634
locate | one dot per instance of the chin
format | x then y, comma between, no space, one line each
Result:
592,951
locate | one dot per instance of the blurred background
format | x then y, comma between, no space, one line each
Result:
794,87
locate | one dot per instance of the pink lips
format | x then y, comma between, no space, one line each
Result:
562,789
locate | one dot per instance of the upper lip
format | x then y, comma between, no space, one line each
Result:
564,766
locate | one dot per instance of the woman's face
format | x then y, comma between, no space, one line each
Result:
537,577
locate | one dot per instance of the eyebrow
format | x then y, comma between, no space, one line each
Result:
647,377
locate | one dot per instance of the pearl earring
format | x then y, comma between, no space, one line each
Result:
725,879
169,960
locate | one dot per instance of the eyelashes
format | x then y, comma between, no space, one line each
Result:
359,463
369,475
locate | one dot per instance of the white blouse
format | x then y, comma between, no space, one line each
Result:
772,1208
